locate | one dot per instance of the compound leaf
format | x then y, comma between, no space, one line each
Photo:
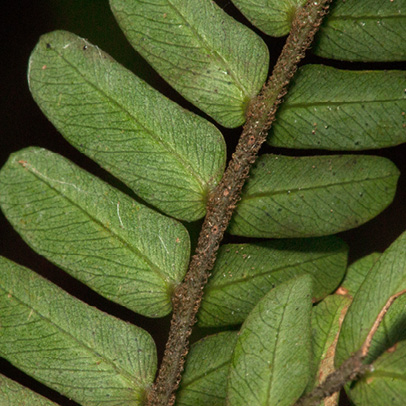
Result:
368,30
273,17
118,247
215,62
270,364
170,157
313,196
244,273
334,109
204,380
79,351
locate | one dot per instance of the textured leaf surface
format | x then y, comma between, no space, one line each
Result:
357,272
335,109
270,364
368,30
168,156
313,196
71,347
273,17
13,394
386,384
385,279
391,330
118,247
244,273
327,318
215,62
204,380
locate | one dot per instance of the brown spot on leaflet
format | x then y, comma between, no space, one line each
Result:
341,291
370,380
392,349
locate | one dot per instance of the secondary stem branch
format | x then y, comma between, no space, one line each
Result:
223,200
348,371
351,368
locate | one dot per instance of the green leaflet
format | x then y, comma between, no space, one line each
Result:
83,353
204,380
312,196
357,272
386,384
387,277
381,384
244,273
327,318
118,247
367,30
334,109
12,394
215,62
270,364
391,330
167,155
273,17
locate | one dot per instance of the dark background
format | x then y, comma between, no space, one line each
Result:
22,125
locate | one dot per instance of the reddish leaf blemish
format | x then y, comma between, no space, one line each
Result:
342,291
392,349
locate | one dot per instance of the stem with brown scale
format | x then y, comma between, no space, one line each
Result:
260,115
351,368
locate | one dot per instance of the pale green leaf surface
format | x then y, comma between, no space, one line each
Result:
357,272
79,351
215,62
393,326
204,380
386,385
170,157
118,247
328,108
313,196
367,30
327,318
391,330
14,394
386,278
270,364
326,321
244,273
273,17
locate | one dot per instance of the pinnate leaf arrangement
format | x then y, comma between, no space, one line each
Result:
294,324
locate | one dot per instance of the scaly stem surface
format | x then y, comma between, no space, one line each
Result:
351,368
260,115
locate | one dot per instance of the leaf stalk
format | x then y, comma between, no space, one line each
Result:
223,200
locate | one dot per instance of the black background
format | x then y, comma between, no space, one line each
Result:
22,125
